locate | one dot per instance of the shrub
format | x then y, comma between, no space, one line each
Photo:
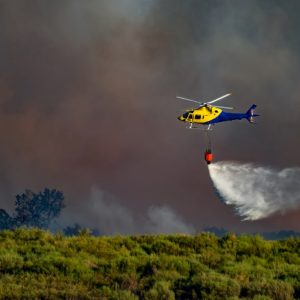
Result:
160,291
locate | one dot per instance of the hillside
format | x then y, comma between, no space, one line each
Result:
36,264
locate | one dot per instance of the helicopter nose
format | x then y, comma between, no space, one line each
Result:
180,118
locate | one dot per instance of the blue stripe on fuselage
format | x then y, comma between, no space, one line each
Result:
225,116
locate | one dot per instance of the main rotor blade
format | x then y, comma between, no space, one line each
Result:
218,99
186,99
225,107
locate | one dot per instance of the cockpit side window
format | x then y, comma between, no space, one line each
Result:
185,115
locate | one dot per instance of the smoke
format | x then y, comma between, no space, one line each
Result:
164,219
87,94
256,192
103,212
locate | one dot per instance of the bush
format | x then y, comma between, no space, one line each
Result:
160,291
275,289
36,264
215,286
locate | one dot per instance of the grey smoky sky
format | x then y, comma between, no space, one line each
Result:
87,98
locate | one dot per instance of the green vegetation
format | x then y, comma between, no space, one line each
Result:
37,264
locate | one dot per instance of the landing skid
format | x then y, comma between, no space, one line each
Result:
203,127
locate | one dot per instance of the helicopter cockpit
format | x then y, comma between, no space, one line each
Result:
185,115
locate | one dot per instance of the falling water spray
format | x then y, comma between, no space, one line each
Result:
256,192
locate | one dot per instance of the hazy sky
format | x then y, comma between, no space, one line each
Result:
87,101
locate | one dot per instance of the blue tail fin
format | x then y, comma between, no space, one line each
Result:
250,113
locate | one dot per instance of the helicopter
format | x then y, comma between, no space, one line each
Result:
207,114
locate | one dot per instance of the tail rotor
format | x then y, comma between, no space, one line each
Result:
250,113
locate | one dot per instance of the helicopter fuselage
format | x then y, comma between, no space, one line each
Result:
208,114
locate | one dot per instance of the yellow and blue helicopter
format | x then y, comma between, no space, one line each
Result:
206,114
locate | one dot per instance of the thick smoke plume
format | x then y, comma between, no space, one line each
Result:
87,96
256,192
103,212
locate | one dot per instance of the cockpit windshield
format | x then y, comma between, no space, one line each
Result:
185,115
